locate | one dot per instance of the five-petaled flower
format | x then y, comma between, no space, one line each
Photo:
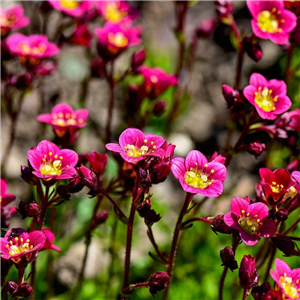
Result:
275,184
12,18
34,47
268,97
198,175
50,162
117,11
5,198
251,220
271,20
115,38
287,280
73,8
64,119
22,247
156,81
135,146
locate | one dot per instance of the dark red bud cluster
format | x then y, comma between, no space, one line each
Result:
228,259
255,148
264,292
286,245
252,48
159,108
158,281
248,274
23,290
233,98
27,176
30,209
149,215
137,59
218,225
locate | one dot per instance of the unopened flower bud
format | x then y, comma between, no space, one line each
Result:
101,217
282,214
286,245
27,176
32,209
218,225
90,179
137,59
22,209
252,48
152,217
228,259
160,172
45,68
205,28
144,208
259,292
256,148
248,274
158,281
25,290
12,288
63,192
159,108
97,67
75,185
224,10
233,98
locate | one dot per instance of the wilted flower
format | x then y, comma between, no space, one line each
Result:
73,8
117,11
289,120
50,162
286,279
135,146
5,198
23,247
137,60
158,281
97,162
275,184
268,97
34,47
197,175
64,119
247,273
271,20
251,220
113,39
12,19
156,81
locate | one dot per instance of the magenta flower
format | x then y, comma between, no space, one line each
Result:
12,18
134,145
251,220
117,11
49,162
49,240
286,279
275,184
268,97
22,247
197,175
72,8
271,20
35,46
156,81
5,198
289,120
114,38
64,119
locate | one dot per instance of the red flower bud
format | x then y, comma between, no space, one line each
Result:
282,214
27,176
233,98
158,281
286,245
228,259
256,148
259,292
247,273
32,209
12,288
218,225
101,217
25,290
137,59
97,67
159,108
205,28
160,172
252,48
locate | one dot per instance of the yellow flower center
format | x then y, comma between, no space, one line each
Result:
113,13
264,100
17,246
134,151
290,287
118,39
7,20
249,224
65,120
71,4
269,22
276,188
197,178
26,49
51,166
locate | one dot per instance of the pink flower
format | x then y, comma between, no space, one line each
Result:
114,38
117,11
64,119
287,279
268,97
289,120
12,18
156,81
73,8
35,46
5,198
275,184
251,220
49,240
197,175
20,246
49,162
271,20
135,146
